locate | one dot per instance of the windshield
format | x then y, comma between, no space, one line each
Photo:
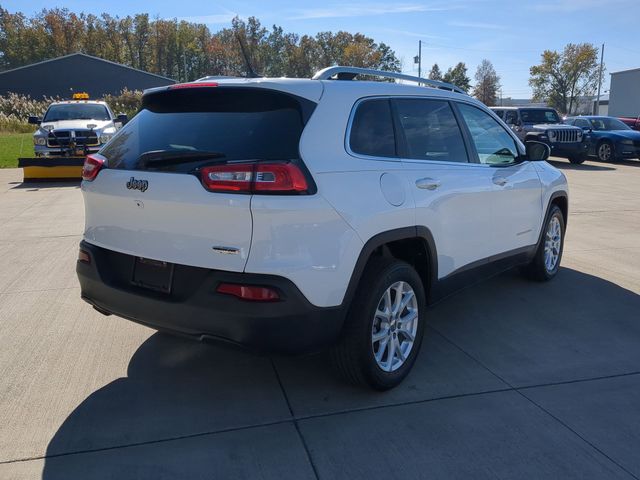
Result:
76,111
178,131
608,124
539,116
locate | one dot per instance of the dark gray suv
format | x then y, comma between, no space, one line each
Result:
544,125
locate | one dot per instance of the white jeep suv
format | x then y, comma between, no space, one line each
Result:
292,214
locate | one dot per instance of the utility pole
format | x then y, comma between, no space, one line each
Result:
597,112
419,58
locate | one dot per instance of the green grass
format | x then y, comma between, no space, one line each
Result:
13,146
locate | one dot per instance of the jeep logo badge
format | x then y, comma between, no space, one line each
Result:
134,184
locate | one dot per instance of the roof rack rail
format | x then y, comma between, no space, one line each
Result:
349,73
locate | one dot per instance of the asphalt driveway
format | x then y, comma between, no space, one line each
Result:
515,379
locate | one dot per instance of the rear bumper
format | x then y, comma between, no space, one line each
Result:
194,309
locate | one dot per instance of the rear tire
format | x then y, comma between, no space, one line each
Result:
546,262
383,330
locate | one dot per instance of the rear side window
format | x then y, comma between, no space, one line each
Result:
184,129
511,117
372,129
430,130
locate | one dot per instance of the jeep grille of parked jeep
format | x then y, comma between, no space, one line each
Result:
564,136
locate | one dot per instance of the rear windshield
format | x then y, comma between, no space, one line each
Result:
539,116
185,129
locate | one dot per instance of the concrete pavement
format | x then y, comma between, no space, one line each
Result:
515,379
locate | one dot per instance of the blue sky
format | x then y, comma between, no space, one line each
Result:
511,34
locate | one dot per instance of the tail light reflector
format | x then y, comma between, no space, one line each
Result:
249,292
92,166
83,256
254,178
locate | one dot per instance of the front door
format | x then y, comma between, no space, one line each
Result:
517,191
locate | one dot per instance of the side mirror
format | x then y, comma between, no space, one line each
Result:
537,151
122,118
33,120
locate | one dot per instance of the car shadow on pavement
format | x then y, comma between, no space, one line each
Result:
176,389
36,186
566,165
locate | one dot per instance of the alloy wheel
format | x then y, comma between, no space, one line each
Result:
552,244
395,325
604,152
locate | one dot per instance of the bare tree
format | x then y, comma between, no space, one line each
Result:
487,83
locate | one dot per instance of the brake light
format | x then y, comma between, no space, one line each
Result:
254,178
92,166
249,292
178,86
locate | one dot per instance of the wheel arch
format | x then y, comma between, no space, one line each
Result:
559,198
414,245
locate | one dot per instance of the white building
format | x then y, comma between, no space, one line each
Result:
624,93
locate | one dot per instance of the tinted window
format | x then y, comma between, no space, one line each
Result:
582,123
372,129
607,123
511,117
431,130
227,123
493,144
76,111
539,116
499,113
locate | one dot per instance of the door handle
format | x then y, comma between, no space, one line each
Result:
500,181
427,183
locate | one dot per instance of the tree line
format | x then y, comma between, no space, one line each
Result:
561,80
186,51
183,50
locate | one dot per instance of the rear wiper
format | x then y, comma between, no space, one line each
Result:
159,158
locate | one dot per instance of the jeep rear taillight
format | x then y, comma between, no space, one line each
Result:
282,178
92,166
252,293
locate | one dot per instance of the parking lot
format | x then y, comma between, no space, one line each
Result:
515,380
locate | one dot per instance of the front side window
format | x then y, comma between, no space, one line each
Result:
431,131
372,129
493,144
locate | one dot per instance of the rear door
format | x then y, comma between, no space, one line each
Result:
452,195
149,201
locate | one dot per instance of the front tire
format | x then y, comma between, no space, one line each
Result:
546,262
383,331
605,152
577,159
